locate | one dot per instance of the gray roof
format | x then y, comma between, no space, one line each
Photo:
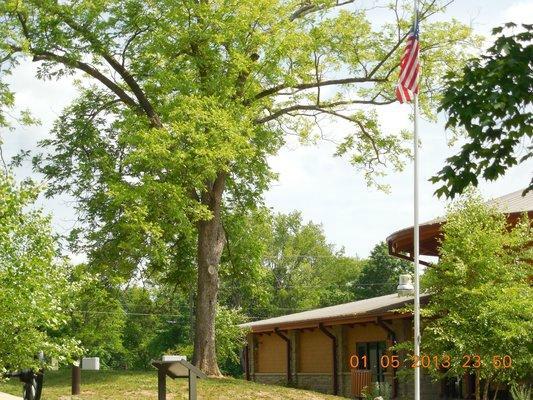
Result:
510,203
356,308
513,202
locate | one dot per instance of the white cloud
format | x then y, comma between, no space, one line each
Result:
521,12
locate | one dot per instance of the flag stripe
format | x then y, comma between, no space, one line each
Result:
409,68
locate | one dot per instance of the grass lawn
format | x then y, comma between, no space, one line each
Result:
133,385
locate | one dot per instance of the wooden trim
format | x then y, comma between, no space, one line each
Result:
402,241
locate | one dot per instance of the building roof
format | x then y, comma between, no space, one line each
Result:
347,311
512,204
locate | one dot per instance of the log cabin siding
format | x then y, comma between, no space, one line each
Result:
314,352
359,334
271,354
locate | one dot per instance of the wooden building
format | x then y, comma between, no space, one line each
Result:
319,349
314,349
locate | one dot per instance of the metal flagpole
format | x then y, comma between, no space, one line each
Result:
416,237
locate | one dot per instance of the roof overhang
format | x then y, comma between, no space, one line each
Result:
400,243
310,324
387,313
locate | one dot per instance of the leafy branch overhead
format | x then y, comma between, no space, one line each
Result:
283,61
491,101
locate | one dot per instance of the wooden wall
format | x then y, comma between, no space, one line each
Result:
271,354
314,352
361,333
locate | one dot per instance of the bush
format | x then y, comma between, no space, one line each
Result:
377,391
34,289
230,339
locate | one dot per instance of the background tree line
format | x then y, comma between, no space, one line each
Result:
274,264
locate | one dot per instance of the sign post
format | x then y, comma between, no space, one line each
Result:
176,369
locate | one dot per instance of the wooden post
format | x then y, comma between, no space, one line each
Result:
161,383
76,378
247,361
192,385
288,341
334,373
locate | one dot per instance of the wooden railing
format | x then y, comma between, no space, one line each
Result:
360,379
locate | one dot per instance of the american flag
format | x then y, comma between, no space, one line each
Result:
409,68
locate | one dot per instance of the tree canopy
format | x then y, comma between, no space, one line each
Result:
491,101
181,102
482,300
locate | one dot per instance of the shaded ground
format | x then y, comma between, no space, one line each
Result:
133,385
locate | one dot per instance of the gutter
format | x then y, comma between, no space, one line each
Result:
334,352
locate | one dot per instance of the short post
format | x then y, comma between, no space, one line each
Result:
76,378
192,385
161,384
179,368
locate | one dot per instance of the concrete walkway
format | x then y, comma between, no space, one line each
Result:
5,396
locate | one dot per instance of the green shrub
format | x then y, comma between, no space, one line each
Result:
377,391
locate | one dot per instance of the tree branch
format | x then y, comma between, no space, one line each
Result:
324,109
304,86
68,62
44,55
118,67
308,8
318,107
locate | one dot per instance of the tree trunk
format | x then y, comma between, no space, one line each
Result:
496,392
478,383
211,240
486,389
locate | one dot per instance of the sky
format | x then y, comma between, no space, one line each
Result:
324,188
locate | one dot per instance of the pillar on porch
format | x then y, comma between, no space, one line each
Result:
293,335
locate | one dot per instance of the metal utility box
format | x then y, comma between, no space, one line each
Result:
90,363
176,369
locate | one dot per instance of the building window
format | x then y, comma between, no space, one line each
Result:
373,351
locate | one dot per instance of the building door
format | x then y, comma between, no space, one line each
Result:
373,352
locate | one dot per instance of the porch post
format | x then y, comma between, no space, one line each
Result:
334,353
289,355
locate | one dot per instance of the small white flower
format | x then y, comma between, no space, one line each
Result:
379,398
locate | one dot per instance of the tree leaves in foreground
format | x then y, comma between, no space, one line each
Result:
482,301
180,104
33,284
492,102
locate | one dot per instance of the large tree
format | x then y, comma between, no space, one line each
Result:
181,103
